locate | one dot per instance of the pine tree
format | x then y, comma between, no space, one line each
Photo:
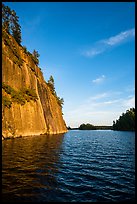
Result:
35,56
51,80
6,12
60,101
51,84
10,22
15,27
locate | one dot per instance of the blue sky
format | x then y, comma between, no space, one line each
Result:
89,49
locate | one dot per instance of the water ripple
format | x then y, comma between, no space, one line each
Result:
79,166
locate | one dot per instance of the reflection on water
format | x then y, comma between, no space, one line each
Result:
29,165
80,166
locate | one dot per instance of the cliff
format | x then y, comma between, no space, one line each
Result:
28,105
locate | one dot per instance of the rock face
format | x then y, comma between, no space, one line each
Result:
25,116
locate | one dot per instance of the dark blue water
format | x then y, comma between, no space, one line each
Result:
80,166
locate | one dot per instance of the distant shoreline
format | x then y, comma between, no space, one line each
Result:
104,129
96,128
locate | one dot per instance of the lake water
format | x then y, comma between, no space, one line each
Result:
80,166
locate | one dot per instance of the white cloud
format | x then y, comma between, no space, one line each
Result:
112,101
103,45
99,79
92,52
98,96
100,109
120,37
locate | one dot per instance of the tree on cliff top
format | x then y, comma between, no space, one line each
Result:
15,27
6,12
10,22
35,55
51,85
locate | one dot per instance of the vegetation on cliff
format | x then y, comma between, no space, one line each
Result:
10,23
39,108
126,121
20,97
51,85
35,56
10,26
6,102
14,52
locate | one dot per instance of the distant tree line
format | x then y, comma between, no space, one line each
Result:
126,121
90,127
87,127
103,127
93,127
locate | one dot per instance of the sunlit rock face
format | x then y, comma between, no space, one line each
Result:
32,113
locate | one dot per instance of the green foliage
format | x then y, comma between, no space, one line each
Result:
10,25
21,96
51,85
126,121
15,27
18,60
35,56
6,102
103,127
7,88
60,101
14,55
29,94
51,80
18,97
10,22
25,49
6,17
87,127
